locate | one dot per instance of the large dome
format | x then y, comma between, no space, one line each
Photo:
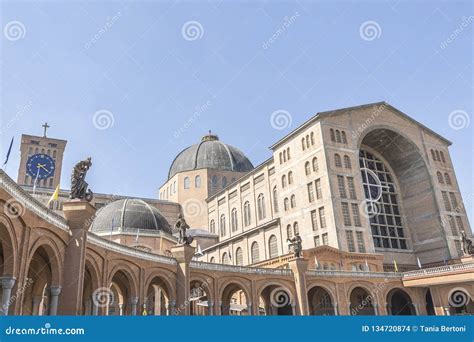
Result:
213,154
127,215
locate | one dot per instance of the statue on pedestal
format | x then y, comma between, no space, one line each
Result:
182,226
296,245
467,246
79,187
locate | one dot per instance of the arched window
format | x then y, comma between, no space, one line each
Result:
442,156
296,228
303,146
224,182
239,257
187,183
222,226
255,253
288,151
212,226
447,179
281,158
290,177
197,181
337,160
247,217
338,136
283,181
307,168
234,222
261,207
333,137
213,260
437,155
440,177
174,187
312,138
273,247
347,162
286,203
225,258
275,200
315,164
307,141
293,201
433,155
289,231
284,156
214,181
344,137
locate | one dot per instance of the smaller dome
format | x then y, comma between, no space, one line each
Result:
129,214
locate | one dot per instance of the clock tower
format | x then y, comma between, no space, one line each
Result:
41,160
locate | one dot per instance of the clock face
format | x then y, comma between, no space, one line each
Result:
40,166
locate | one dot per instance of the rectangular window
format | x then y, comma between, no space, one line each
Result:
360,242
325,239
356,214
317,241
311,192
350,241
322,218
352,190
345,214
447,205
454,201
319,192
452,224
459,223
314,220
342,186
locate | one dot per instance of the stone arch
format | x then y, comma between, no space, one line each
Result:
276,298
123,287
236,292
91,285
8,248
321,301
362,301
160,293
415,180
54,256
399,303
201,295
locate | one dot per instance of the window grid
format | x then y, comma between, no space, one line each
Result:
322,218
310,192
345,214
319,191
314,220
325,239
351,185
447,204
360,242
342,186
350,241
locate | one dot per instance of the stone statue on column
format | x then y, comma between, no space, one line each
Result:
295,244
182,227
467,247
79,186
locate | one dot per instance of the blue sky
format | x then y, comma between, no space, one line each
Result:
166,72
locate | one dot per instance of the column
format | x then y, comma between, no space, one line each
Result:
249,308
299,268
183,255
87,307
210,306
36,305
95,307
53,305
7,284
133,303
78,213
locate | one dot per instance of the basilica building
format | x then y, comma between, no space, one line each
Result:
369,195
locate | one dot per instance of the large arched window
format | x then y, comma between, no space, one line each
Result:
347,162
315,164
275,200
289,231
187,183
273,247
225,258
344,137
312,138
307,168
293,201
234,222
247,217
214,181
290,177
296,228
239,257
333,137
222,225
286,203
255,253
338,136
440,177
224,182
447,179
283,181
337,160
383,205
197,181
261,207
212,226
213,260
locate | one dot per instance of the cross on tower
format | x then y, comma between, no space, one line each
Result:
45,126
